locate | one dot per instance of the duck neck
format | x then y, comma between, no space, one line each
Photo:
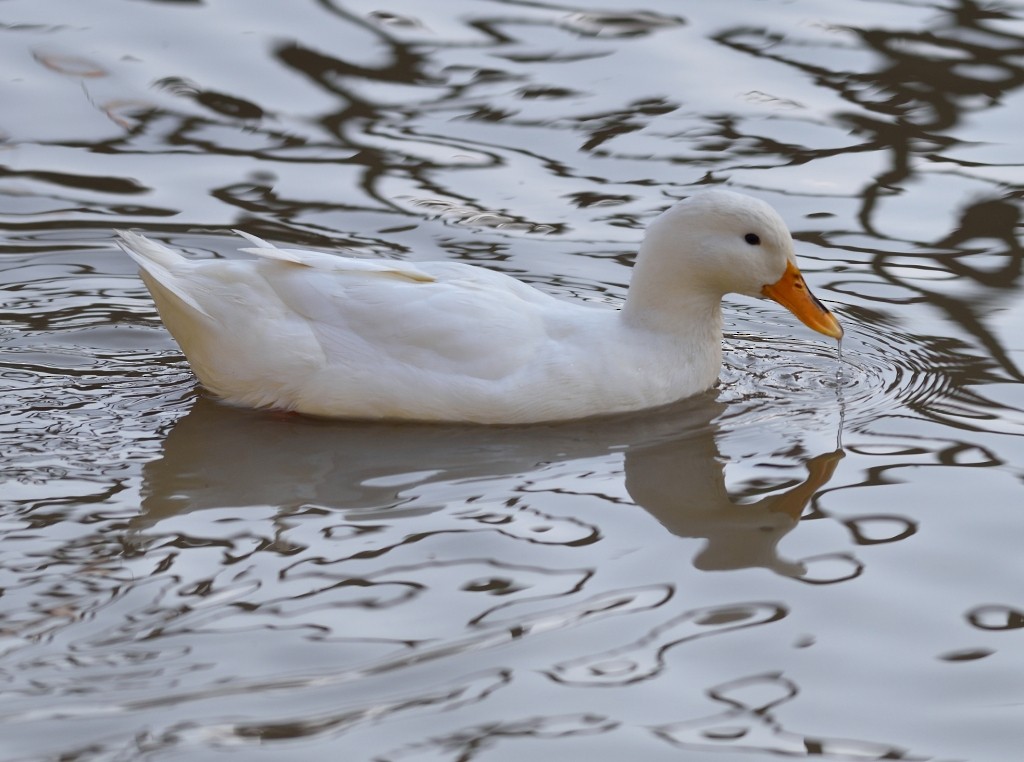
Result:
664,305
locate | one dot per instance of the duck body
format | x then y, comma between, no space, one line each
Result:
342,337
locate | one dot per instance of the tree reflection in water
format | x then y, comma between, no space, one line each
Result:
927,83
419,565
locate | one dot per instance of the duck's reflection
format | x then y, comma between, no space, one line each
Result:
682,484
221,457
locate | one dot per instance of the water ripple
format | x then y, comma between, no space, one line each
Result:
746,724
181,579
882,373
645,658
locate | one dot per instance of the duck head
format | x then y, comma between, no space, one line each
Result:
720,242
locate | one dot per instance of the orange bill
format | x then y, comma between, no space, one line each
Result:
792,293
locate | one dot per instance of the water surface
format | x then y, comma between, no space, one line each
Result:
806,561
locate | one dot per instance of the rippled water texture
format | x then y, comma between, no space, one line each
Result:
811,560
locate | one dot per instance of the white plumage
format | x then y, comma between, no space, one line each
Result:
445,341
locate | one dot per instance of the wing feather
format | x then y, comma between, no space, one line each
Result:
331,262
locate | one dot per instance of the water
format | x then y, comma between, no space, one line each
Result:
808,561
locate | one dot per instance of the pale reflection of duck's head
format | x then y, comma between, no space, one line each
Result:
221,457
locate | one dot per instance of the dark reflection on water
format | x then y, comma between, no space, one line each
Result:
644,659
929,82
374,472
180,578
749,725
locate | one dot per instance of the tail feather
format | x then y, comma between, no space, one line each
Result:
159,263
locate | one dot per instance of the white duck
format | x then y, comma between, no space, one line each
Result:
445,341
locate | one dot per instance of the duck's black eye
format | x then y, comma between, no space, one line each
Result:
753,239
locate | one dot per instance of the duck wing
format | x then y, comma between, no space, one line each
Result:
341,336
448,320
